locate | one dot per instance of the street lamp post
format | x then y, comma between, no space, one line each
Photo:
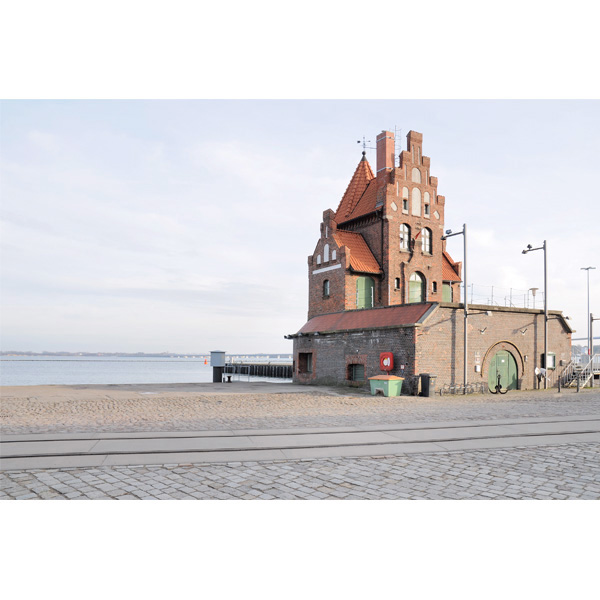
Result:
466,310
590,340
591,326
530,249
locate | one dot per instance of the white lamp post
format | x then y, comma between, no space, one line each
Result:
590,341
530,249
466,312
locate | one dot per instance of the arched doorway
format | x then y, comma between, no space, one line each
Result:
416,288
503,363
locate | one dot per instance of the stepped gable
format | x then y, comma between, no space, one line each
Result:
355,190
373,318
449,268
361,257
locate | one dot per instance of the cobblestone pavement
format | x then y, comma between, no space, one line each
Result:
559,472
76,410
549,472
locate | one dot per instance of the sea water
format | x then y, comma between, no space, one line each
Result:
82,370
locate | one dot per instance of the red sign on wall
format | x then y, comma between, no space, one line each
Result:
386,361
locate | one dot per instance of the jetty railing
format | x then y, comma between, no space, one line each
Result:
267,370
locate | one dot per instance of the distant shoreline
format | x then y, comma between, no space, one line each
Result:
201,355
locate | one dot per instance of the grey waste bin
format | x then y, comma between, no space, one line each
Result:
428,384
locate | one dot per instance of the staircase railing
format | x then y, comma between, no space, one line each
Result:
583,373
566,376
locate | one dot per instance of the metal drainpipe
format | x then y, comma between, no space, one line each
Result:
382,261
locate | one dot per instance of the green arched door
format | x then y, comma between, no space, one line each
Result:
503,363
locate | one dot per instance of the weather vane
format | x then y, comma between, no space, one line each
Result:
364,144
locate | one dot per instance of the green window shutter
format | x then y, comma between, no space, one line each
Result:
365,287
446,292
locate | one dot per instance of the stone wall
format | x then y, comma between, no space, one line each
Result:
440,342
436,346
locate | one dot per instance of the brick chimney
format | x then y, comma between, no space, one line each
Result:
385,151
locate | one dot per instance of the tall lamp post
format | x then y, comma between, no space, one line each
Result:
531,249
466,313
590,341
591,325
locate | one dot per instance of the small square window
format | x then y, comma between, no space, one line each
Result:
305,362
356,372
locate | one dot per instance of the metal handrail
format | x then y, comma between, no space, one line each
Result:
588,371
566,375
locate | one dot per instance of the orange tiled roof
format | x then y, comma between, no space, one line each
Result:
355,191
367,319
366,204
449,270
361,257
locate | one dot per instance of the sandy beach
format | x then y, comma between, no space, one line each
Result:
208,406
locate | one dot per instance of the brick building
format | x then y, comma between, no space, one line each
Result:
381,280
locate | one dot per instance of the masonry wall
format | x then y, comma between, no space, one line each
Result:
440,342
437,346
332,353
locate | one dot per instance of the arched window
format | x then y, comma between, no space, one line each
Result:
319,259
326,288
416,288
416,202
405,200
404,237
416,175
326,253
426,240
333,255
365,288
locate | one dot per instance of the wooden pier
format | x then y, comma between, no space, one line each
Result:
269,370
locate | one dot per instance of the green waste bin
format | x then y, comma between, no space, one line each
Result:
389,384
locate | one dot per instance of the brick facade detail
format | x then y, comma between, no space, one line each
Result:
436,346
366,237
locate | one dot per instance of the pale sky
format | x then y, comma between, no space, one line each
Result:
185,226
